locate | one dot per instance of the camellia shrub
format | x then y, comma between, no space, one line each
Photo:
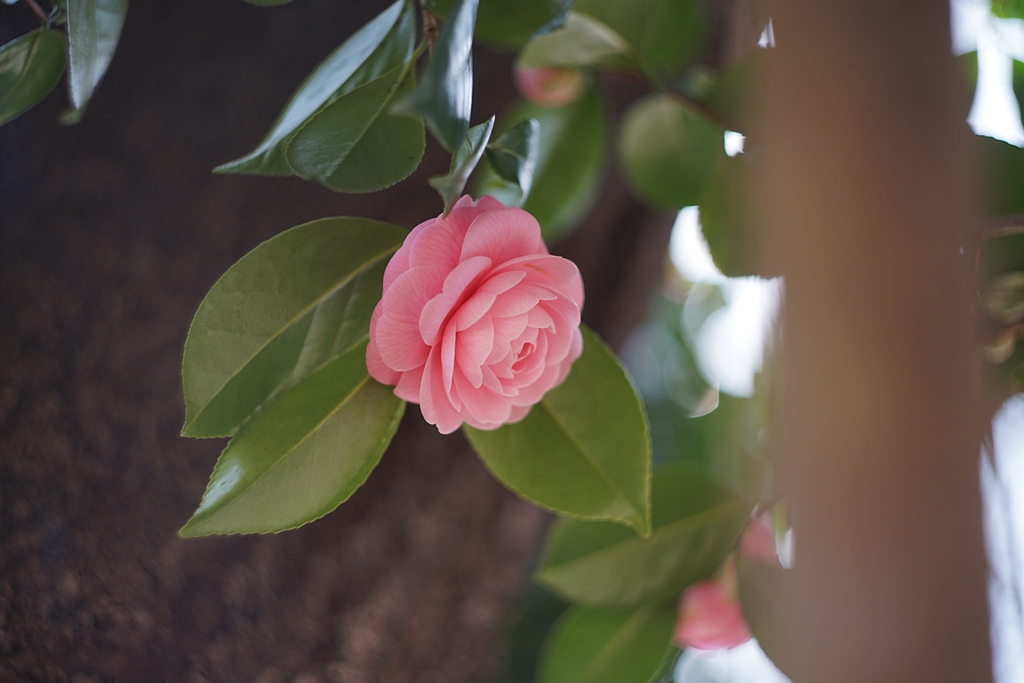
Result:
306,352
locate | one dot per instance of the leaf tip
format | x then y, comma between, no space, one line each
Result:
225,168
72,116
189,530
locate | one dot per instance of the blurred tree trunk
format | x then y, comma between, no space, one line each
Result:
868,216
111,232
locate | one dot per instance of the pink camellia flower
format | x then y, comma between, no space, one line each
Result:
477,321
710,616
550,87
758,540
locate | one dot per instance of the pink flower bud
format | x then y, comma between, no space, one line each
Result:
758,540
550,87
710,616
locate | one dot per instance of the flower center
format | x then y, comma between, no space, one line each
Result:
523,356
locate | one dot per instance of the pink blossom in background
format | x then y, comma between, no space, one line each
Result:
550,87
710,616
477,320
758,540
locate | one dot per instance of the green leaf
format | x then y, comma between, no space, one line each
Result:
665,35
668,151
30,67
290,306
723,215
383,45
1003,298
444,96
1008,9
571,154
463,162
584,450
602,645
354,144
696,524
556,22
583,42
304,454
94,27
536,613
731,95
1002,166
508,23
513,156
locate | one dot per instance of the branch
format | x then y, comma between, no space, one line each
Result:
1001,226
37,9
990,228
429,26
702,109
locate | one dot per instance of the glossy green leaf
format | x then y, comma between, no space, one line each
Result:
444,96
583,42
94,27
1002,166
602,645
354,144
383,45
584,451
30,67
513,156
508,23
571,154
303,454
665,35
286,309
668,151
723,221
696,524
463,162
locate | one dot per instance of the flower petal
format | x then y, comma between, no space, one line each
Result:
408,387
458,285
554,272
516,301
481,406
534,392
397,332
448,359
505,330
434,403
502,235
440,243
480,302
375,366
472,348
488,203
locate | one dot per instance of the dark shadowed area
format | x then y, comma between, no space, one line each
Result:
111,232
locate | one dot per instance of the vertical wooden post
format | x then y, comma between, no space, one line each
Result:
867,206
